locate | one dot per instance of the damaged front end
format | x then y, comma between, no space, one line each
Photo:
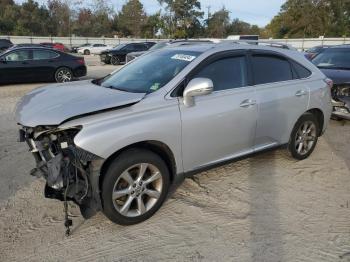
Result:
341,101
71,173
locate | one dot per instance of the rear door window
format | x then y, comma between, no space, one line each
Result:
43,54
271,69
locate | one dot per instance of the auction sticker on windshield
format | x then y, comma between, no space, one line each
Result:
188,58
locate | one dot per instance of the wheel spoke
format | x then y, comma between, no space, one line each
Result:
154,177
120,193
142,171
127,177
140,205
300,148
152,193
124,210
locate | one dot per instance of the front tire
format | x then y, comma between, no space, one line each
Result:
63,74
115,60
134,187
304,137
86,52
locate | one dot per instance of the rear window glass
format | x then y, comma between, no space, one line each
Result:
271,69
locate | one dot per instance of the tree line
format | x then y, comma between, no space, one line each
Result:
175,19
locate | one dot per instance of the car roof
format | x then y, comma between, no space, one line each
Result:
228,46
340,46
30,47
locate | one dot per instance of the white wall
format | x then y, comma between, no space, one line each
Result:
300,44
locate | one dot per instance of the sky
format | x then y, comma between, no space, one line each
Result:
258,12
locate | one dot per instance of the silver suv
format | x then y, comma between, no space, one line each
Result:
119,144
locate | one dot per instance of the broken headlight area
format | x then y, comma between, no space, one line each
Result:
341,100
71,173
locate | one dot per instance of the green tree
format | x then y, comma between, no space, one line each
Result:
132,18
183,18
218,23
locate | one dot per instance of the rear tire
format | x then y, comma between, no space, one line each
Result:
134,187
115,60
63,74
86,52
304,137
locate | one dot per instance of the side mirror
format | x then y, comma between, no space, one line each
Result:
197,87
2,60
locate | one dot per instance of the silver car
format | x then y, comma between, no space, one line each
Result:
121,143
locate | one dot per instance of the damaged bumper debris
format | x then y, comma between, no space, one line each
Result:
341,101
71,173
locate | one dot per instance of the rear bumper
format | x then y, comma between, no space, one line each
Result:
104,58
80,71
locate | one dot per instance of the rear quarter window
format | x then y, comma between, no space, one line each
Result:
300,71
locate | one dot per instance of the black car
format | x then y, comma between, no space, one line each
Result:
314,51
131,56
33,64
334,62
117,55
5,44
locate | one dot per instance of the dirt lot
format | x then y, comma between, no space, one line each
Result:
264,208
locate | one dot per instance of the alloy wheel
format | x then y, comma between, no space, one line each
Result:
137,190
64,75
305,138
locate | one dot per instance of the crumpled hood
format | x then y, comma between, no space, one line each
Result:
53,104
338,76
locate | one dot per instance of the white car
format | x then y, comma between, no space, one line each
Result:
93,49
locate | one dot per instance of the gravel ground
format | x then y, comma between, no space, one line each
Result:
264,208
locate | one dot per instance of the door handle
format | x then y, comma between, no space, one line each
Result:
301,93
247,103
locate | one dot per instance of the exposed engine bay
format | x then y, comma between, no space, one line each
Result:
341,101
71,173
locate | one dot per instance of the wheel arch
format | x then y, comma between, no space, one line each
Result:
157,147
319,116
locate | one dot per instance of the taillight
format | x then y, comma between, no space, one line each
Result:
81,61
329,82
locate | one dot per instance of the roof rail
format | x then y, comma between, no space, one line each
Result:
259,42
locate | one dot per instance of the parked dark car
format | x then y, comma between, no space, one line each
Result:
33,64
75,48
118,54
314,51
160,45
5,44
334,62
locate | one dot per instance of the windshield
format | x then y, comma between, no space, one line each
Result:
158,46
150,72
333,58
118,47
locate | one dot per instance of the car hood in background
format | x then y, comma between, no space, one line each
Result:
338,76
54,104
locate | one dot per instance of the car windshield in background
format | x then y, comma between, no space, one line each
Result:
118,47
158,46
333,59
151,72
